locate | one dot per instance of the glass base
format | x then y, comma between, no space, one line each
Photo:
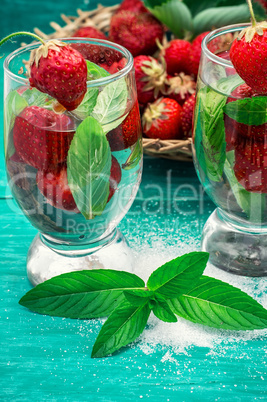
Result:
234,250
46,259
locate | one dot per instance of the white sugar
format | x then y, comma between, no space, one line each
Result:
180,337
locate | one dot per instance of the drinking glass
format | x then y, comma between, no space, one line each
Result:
230,157
77,198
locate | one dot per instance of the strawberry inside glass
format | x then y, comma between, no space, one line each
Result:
230,155
73,162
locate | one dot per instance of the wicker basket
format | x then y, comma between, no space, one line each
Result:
100,18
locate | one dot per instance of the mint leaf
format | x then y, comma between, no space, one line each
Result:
88,168
137,296
111,105
252,204
216,17
220,305
123,326
179,275
249,111
228,84
87,105
14,104
37,98
162,311
82,294
135,156
213,132
174,14
95,72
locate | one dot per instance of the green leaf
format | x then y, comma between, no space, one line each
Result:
252,204
123,326
249,111
213,132
82,294
220,305
137,296
87,105
95,72
134,158
217,17
37,98
228,84
179,275
14,104
174,14
111,105
163,312
88,168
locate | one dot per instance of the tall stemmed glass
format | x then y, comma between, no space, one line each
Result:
77,200
230,156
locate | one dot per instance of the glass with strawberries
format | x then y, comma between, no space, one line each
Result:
230,146
73,151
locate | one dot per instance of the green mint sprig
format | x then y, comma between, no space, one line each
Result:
177,288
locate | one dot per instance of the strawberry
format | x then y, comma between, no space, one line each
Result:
180,87
162,119
42,137
176,56
248,54
187,115
115,177
136,32
135,6
251,164
89,32
61,72
103,56
150,76
195,53
53,184
127,133
235,130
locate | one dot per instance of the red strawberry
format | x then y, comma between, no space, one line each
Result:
150,76
53,184
136,32
89,32
101,55
195,53
115,177
251,164
135,6
181,87
162,119
176,56
249,54
187,115
61,72
127,133
42,137
235,130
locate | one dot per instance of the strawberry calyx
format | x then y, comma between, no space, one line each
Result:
155,76
42,51
154,112
251,31
181,84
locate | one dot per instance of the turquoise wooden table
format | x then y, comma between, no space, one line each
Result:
48,359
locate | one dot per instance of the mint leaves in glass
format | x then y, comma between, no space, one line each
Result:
229,147
74,173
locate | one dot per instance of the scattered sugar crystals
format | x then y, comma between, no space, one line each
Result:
179,338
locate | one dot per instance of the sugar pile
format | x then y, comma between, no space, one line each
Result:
181,336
